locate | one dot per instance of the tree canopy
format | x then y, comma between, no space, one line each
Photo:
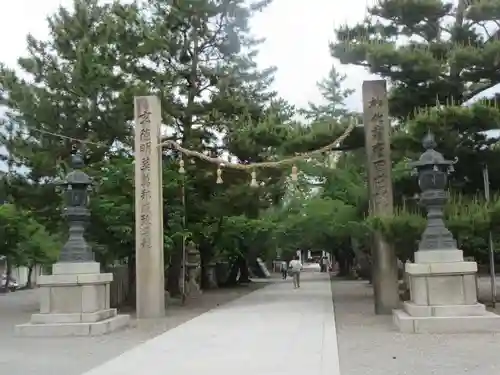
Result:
76,89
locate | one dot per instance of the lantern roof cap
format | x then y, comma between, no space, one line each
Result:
430,157
77,160
78,178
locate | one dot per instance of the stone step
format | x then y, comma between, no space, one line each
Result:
73,329
487,323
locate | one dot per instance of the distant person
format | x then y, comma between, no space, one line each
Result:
295,267
324,264
284,270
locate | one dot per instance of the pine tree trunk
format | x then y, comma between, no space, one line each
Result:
205,258
8,274
243,268
207,252
131,280
29,284
176,259
344,268
174,272
232,278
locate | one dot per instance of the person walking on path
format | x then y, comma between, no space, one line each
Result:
322,264
284,270
295,267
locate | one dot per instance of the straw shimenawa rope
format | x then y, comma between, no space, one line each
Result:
266,164
222,162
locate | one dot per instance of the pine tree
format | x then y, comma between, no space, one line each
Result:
70,86
333,95
74,89
436,55
196,55
431,51
216,102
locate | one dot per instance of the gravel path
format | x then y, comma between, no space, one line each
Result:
75,355
370,345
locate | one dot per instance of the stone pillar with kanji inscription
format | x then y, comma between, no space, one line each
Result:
150,276
378,152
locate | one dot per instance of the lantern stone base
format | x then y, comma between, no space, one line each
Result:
74,301
192,290
211,276
443,296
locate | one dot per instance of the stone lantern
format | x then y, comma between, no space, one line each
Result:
192,269
76,188
432,170
212,275
443,294
74,300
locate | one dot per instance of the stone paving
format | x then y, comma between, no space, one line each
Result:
73,356
370,345
273,330
276,330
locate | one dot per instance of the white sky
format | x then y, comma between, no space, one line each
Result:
297,33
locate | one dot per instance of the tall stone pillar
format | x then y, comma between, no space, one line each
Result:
150,270
378,154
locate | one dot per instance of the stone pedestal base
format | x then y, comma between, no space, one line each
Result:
211,276
74,301
406,323
192,288
443,296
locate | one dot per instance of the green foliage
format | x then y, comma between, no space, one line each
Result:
198,57
23,240
347,185
38,246
469,220
463,134
402,230
315,223
436,56
112,224
72,86
446,58
242,234
11,228
333,95
468,213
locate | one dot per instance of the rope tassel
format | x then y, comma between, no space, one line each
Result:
253,182
219,174
295,171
